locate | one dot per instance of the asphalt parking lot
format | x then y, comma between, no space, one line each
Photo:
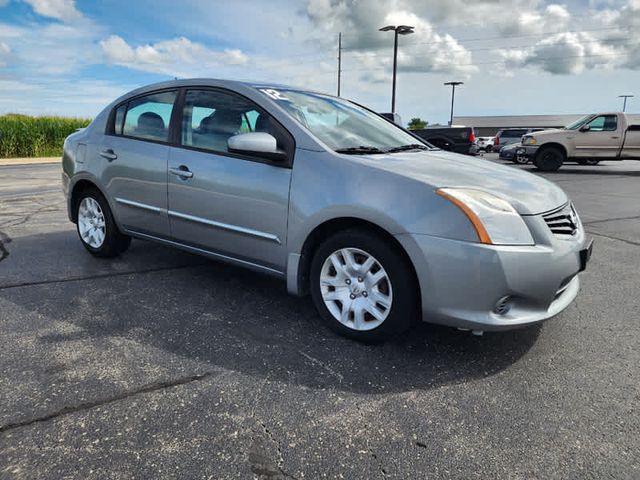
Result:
160,364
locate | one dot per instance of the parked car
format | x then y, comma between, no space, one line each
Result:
508,153
378,227
595,137
484,143
451,139
509,136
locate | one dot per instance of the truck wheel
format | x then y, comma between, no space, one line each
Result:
589,161
549,159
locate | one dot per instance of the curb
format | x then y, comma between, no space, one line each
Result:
29,161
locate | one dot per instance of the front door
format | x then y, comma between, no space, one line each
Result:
232,205
601,140
135,157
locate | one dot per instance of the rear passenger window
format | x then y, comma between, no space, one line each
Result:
148,117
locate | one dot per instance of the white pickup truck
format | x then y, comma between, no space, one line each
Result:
595,137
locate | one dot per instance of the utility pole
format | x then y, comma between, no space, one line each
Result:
453,96
624,104
339,59
397,30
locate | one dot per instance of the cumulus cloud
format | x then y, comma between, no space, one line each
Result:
553,18
562,53
179,56
64,10
424,51
574,52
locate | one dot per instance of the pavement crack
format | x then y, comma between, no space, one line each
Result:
4,240
381,467
153,387
611,237
323,365
635,217
98,276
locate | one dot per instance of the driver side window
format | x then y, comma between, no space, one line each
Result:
211,118
604,123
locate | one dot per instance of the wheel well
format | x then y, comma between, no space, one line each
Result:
326,229
78,188
555,145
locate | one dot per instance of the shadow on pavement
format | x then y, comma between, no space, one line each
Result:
241,321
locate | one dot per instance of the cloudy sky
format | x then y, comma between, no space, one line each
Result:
72,57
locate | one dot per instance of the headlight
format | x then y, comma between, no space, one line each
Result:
495,220
529,141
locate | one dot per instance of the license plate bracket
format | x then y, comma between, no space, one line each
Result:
585,256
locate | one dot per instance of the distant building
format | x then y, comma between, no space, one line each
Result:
486,126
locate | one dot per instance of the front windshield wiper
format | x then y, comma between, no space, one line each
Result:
361,150
412,146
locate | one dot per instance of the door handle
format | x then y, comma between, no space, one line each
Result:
109,154
615,138
182,171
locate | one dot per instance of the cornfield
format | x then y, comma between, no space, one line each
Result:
26,136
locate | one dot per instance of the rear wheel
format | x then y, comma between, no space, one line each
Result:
363,287
549,159
488,148
96,228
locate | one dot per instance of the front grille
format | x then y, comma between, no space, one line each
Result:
562,221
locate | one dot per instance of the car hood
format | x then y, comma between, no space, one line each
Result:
542,133
528,193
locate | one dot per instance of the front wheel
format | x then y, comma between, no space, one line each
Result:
363,287
549,159
96,228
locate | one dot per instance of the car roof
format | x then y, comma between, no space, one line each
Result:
213,82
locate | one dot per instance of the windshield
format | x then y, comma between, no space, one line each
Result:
578,123
342,125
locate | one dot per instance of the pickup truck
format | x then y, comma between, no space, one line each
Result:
594,137
453,139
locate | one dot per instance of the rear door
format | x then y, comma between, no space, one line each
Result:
135,155
602,140
631,147
229,204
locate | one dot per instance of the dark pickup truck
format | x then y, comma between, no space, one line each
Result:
453,139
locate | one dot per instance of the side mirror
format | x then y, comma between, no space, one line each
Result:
257,144
585,128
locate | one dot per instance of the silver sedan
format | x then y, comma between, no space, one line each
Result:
378,226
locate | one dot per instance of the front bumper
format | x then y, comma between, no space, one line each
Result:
527,151
461,282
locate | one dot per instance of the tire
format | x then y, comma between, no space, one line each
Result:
393,299
589,161
488,149
96,228
520,160
549,159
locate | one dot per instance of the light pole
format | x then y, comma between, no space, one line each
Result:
453,96
398,30
624,104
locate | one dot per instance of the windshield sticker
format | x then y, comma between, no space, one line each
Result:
275,94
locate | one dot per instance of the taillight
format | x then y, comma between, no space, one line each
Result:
472,137
496,141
